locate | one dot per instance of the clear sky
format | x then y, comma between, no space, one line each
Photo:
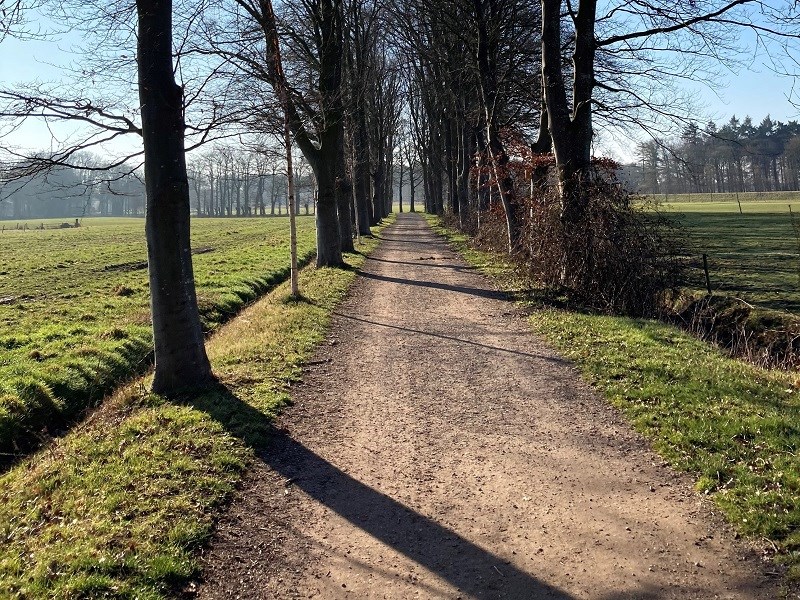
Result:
758,93
753,91
39,61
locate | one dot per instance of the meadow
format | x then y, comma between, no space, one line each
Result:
753,254
74,308
120,506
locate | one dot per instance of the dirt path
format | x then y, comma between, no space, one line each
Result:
438,450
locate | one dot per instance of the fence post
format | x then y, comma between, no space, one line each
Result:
705,270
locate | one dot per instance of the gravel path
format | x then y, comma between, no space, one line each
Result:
437,449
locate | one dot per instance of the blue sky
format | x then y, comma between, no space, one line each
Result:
29,61
754,91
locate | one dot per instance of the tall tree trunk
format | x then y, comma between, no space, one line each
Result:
237,179
343,195
451,154
180,356
484,191
571,134
465,151
259,208
322,153
427,187
361,174
211,182
411,184
198,195
378,181
273,194
290,194
400,183
329,245
488,75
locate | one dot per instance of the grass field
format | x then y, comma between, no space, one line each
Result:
727,198
754,255
74,314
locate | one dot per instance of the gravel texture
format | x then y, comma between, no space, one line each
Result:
438,449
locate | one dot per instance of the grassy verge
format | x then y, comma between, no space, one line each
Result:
733,426
74,312
118,507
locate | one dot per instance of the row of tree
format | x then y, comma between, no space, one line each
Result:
488,78
354,83
224,182
321,67
68,192
736,156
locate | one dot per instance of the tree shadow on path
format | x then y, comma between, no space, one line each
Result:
426,262
473,570
441,336
483,293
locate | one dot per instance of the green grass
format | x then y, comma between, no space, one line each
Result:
754,256
728,208
733,426
732,198
120,505
74,313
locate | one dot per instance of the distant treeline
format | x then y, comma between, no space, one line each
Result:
222,182
230,182
67,192
735,157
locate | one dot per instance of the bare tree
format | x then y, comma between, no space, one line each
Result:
12,18
622,55
180,357
313,34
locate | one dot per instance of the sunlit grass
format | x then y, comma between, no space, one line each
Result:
120,505
754,256
74,308
749,200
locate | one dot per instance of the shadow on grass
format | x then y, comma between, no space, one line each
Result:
240,419
45,419
463,564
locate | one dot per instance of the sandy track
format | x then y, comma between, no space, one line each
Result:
437,449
